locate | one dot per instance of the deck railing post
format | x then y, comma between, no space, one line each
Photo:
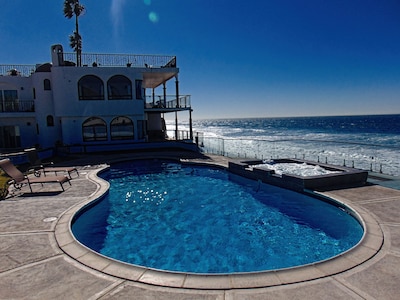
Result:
177,91
165,95
176,125
190,125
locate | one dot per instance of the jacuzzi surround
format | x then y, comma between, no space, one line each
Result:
341,176
290,168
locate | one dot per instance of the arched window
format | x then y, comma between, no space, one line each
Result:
122,129
94,129
46,85
50,121
91,87
119,87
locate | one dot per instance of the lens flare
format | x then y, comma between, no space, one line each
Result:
153,17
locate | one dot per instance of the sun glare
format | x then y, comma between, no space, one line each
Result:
153,17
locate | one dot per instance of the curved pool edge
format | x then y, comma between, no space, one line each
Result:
367,248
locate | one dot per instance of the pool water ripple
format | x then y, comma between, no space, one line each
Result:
198,219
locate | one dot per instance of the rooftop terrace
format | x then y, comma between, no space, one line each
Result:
124,60
97,60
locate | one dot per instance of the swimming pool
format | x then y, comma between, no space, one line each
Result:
188,218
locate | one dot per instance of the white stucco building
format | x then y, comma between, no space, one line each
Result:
110,102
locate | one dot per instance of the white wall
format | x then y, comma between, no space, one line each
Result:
72,130
44,106
26,121
154,122
27,128
65,91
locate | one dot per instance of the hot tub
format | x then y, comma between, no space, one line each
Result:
327,176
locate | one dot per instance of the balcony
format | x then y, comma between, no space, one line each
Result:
171,103
99,60
17,70
122,60
17,106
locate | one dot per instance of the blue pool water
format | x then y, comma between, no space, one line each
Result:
198,219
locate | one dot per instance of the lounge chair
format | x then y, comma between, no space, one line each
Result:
44,169
38,167
18,179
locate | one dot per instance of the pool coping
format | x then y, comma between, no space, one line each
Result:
367,248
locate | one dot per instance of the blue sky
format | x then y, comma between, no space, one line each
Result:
260,58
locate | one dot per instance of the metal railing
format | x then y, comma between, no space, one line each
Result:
126,60
182,102
17,106
99,60
183,135
170,102
17,70
376,158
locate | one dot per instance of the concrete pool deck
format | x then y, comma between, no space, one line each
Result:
40,261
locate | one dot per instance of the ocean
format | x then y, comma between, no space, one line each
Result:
366,142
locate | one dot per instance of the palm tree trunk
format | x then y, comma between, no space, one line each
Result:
78,49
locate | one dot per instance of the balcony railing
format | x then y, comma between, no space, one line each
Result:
170,102
17,70
180,135
376,158
123,60
17,106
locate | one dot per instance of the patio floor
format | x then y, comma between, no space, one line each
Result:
38,261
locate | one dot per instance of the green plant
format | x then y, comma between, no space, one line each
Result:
4,179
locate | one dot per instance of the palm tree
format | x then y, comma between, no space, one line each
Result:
75,42
74,8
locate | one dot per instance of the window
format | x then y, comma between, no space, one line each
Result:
9,100
10,95
119,87
122,129
138,87
50,121
10,137
94,129
46,85
91,87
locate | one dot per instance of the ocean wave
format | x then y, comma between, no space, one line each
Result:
365,142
